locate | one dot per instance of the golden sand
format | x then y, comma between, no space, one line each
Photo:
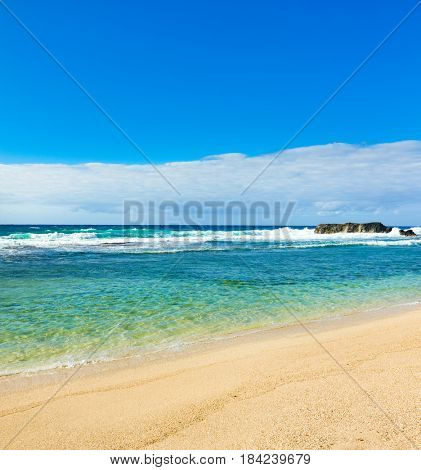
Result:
354,384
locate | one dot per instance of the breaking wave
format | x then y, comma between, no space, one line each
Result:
163,240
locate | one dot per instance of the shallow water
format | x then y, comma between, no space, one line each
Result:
71,293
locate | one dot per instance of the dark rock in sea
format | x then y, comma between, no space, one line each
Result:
371,227
407,233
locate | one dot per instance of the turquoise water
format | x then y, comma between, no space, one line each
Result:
70,293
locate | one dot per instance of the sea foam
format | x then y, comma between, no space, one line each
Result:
160,240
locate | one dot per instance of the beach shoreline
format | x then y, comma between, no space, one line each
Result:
347,382
162,353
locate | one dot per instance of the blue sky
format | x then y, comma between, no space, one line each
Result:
189,79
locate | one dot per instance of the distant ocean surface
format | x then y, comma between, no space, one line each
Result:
69,293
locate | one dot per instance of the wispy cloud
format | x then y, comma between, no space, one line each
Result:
330,182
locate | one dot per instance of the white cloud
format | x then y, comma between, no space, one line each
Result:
335,182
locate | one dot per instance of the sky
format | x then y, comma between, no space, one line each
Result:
185,80
334,182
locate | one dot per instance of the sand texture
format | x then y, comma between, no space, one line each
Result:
279,389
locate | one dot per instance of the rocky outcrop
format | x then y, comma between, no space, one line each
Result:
371,227
407,233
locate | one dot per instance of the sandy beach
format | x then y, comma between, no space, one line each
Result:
353,383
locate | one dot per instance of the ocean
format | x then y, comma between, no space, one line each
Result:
74,293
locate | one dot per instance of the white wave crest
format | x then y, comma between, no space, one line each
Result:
192,239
